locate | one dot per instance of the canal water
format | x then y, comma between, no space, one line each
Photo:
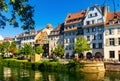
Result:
17,74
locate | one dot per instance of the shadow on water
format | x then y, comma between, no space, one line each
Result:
17,74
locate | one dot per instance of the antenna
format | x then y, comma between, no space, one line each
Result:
114,6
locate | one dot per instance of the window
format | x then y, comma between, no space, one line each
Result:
69,33
112,54
66,40
95,14
110,31
99,36
111,41
70,40
99,45
67,47
87,30
119,41
93,29
94,45
99,29
87,22
99,20
111,22
69,27
93,21
94,37
73,26
118,30
88,38
90,15
119,21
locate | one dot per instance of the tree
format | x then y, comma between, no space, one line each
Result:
13,49
39,50
20,10
59,50
27,49
81,45
6,46
1,48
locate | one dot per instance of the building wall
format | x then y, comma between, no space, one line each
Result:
115,33
95,31
70,37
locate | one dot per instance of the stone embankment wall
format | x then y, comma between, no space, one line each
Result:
112,66
93,67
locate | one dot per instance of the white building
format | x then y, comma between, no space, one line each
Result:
25,38
94,29
112,36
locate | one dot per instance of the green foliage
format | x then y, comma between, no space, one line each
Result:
7,47
81,45
20,10
39,50
44,65
13,48
59,50
1,48
27,49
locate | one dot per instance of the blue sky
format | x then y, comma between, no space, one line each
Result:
54,12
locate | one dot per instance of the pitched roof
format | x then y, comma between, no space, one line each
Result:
8,38
59,28
75,17
26,33
112,16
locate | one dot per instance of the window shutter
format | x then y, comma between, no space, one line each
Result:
106,32
118,31
112,31
116,41
107,42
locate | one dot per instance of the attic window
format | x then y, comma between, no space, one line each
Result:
69,16
115,16
110,22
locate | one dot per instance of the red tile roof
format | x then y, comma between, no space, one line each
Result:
8,38
112,16
74,17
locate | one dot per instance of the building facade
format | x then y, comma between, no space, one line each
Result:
73,22
94,29
56,38
112,36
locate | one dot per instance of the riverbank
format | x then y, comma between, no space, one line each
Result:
44,65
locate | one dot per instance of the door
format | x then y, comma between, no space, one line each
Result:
119,57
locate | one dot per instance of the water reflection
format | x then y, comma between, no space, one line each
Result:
16,74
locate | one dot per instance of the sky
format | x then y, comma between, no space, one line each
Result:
54,12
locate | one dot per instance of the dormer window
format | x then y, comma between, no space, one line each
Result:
90,15
111,22
69,16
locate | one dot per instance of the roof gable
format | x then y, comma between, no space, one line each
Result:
75,17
